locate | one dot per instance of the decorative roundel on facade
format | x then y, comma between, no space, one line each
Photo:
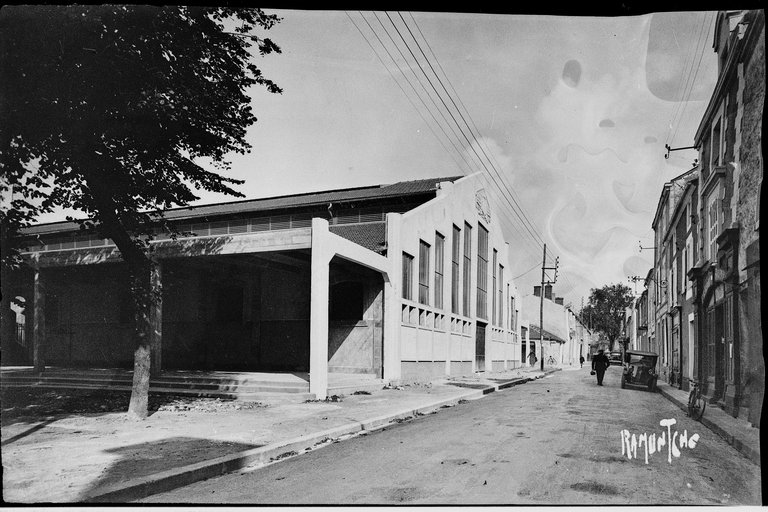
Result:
483,207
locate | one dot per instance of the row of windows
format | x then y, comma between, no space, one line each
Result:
232,227
460,273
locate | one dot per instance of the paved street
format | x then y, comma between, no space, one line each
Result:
552,441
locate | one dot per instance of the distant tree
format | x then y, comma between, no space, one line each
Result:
606,307
109,109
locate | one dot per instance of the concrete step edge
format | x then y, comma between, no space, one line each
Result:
173,391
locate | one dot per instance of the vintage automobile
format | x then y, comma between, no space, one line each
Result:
640,370
614,358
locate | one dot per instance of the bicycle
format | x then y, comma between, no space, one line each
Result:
696,402
551,361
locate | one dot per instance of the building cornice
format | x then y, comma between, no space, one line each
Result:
730,69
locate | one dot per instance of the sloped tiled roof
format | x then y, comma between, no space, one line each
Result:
535,335
399,189
372,235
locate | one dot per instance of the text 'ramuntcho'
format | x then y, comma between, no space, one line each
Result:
652,443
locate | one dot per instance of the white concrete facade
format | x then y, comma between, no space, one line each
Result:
442,340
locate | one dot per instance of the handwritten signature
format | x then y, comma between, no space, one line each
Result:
652,443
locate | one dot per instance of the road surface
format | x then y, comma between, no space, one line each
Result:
556,440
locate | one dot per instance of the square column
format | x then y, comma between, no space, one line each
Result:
392,300
318,311
38,322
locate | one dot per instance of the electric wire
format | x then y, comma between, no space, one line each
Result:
476,134
693,81
471,146
685,74
523,219
391,74
420,99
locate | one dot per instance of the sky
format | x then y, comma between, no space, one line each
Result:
573,112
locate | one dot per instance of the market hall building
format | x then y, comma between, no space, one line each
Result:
403,282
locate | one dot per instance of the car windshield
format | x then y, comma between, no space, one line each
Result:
641,360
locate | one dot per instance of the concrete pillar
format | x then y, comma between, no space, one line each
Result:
392,300
38,322
156,319
318,312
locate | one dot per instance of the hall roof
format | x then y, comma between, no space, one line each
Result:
401,189
535,335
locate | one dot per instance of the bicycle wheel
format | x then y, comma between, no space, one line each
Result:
701,404
691,402
696,405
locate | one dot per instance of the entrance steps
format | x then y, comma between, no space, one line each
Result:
249,386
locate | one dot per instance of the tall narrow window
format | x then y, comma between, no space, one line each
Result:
494,320
713,229
439,251
482,272
423,272
716,146
467,281
407,276
500,293
455,258
512,316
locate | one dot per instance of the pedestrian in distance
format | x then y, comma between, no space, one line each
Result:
599,364
581,361
532,358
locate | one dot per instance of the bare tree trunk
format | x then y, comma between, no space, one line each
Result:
144,299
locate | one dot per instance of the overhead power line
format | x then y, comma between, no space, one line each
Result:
460,132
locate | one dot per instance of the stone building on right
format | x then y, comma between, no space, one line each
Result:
725,276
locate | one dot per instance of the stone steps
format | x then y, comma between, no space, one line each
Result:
245,386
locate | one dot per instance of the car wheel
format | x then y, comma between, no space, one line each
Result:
623,381
652,385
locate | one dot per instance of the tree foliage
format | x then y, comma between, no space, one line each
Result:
110,109
606,306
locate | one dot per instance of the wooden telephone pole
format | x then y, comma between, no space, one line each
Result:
544,282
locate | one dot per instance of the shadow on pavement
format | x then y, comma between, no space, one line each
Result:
149,458
29,431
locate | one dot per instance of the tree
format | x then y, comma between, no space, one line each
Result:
606,307
109,110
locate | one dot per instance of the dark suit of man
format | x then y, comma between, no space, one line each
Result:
599,364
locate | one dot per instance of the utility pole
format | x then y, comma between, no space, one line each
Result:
541,309
544,282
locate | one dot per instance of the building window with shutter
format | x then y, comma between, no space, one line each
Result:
423,272
407,276
439,262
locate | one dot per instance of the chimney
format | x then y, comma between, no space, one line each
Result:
559,300
537,291
548,292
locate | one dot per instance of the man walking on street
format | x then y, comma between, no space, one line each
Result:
599,364
532,358
581,361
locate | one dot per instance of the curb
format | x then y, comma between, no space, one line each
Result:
747,451
178,477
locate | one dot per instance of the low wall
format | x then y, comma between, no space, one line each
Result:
350,347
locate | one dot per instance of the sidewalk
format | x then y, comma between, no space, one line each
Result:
736,432
107,458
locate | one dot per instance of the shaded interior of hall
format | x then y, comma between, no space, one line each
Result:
248,312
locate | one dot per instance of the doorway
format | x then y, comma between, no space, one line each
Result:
480,348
